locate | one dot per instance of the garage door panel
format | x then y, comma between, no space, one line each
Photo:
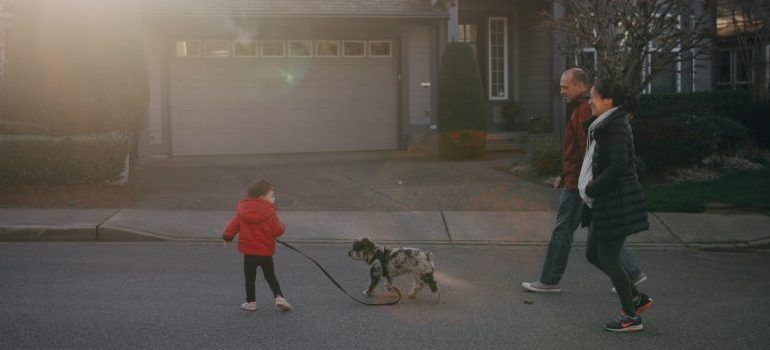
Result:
245,106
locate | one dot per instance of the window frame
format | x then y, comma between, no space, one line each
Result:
318,43
226,42
309,44
262,44
371,52
200,48
344,52
256,48
505,71
651,49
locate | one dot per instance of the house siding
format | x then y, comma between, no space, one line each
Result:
419,71
5,23
535,68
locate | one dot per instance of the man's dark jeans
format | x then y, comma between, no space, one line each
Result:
567,221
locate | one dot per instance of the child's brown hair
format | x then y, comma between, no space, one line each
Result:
259,188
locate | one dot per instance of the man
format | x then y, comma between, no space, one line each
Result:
574,88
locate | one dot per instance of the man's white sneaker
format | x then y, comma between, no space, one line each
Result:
637,282
252,306
540,287
282,304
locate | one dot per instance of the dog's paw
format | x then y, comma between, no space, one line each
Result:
367,293
412,294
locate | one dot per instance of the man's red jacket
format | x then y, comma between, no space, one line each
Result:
258,224
575,144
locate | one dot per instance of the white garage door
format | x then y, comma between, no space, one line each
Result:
249,105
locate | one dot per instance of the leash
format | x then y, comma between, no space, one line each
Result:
394,302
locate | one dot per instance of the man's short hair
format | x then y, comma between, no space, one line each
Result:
578,76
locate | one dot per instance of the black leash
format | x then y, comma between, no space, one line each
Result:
394,302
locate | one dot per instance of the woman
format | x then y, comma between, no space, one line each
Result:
610,188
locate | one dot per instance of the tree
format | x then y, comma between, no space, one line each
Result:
462,106
77,66
748,22
626,33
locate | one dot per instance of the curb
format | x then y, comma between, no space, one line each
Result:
36,233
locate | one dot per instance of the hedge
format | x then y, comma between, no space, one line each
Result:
35,159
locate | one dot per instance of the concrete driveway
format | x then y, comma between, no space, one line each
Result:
350,181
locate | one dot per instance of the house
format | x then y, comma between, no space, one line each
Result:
5,23
233,77
731,70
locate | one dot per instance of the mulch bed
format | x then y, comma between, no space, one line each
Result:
67,196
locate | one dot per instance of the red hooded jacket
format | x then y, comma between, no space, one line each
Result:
259,226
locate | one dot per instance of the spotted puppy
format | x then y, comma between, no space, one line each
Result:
390,263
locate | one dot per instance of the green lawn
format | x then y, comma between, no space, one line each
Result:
749,190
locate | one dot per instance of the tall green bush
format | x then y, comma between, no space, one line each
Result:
77,66
462,109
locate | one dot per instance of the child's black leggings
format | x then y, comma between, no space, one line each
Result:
250,264
605,254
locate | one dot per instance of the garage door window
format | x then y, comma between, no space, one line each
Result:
245,49
354,48
273,48
219,48
188,48
379,48
327,48
300,48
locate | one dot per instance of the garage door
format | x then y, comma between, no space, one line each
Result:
283,96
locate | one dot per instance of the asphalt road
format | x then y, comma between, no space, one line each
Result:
170,296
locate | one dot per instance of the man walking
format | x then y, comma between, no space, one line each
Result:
574,88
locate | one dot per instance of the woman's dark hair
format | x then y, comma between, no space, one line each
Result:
609,88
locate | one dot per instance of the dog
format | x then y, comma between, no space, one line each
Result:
390,263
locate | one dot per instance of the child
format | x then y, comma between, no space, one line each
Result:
257,222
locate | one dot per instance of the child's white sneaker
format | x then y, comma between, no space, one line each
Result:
282,304
249,306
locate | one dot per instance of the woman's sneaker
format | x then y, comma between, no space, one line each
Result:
625,323
249,306
643,302
282,304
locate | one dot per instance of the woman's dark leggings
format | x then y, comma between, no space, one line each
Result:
250,264
605,254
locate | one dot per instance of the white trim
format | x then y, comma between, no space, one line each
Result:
308,44
262,48
587,49
678,72
505,58
235,48
318,43
390,48
362,42
206,48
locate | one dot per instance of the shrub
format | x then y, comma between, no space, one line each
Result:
77,66
706,135
545,156
462,117
659,143
31,159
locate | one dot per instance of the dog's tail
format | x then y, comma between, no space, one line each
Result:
430,260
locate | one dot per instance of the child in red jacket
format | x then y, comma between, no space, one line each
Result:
258,224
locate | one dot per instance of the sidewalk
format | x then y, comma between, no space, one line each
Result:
703,231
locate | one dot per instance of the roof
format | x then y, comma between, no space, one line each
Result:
293,8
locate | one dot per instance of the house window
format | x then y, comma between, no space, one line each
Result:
354,48
300,48
188,48
498,58
668,79
243,48
742,81
379,48
587,60
327,48
767,69
219,48
469,34
724,70
273,48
